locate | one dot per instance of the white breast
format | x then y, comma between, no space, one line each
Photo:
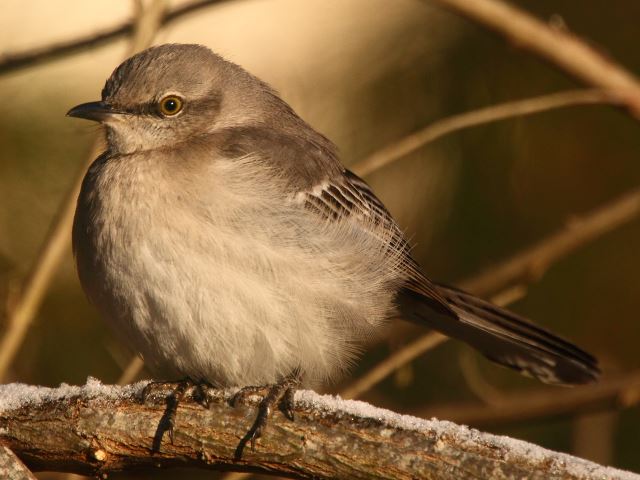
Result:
215,275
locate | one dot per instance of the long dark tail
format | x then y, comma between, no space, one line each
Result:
502,336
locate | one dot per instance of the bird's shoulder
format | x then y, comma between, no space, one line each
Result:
303,157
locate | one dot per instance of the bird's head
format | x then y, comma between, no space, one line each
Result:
175,93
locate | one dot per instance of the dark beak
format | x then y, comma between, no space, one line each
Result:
97,111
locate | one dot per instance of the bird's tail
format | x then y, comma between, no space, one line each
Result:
503,337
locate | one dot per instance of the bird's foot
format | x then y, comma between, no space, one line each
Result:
278,395
181,390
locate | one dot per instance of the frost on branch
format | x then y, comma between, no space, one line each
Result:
99,428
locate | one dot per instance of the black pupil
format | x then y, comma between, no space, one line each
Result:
170,105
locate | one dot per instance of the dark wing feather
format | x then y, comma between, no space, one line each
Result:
350,198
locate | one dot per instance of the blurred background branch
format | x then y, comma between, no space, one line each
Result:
531,264
613,393
392,363
147,20
494,113
10,62
555,45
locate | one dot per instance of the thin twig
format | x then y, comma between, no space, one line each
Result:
56,243
559,47
390,364
594,436
475,382
532,263
507,282
17,61
132,370
608,394
493,113
149,19
55,246
11,468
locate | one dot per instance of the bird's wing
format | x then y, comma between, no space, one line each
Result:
500,335
349,198
345,196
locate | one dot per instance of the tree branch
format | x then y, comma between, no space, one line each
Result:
11,468
391,363
97,429
609,394
560,48
493,113
16,61
532,263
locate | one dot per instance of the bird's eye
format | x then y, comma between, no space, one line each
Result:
170,105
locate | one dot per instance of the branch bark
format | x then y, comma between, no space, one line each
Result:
11,468
98,429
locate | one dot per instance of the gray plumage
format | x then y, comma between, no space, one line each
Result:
225,242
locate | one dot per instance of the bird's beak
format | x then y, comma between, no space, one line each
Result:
98,111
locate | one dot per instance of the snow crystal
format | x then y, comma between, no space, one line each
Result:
462,435
18,395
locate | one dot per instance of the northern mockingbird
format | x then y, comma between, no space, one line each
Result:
222,238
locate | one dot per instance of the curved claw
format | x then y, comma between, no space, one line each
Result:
279,394
198,391
287,405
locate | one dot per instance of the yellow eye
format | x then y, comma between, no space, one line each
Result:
170,105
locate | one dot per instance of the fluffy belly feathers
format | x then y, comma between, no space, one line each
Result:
236,306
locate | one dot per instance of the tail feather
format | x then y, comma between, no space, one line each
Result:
511,322
505,337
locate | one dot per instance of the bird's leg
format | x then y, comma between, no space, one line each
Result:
276,395
201,393
183,387
173,401
287,403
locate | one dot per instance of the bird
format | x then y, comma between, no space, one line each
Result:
221,237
